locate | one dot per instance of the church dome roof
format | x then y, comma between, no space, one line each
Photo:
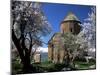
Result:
71,17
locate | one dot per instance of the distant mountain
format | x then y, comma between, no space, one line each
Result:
44,56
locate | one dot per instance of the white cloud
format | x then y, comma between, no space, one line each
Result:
42,49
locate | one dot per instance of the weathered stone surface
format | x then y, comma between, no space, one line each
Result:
50,53
37,58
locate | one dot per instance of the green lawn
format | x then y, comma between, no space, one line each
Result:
84,65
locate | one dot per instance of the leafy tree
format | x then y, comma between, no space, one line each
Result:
89,28
73,45
29,24
89,32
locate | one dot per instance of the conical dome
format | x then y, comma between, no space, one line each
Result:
71,17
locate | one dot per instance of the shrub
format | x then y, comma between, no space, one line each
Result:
16,67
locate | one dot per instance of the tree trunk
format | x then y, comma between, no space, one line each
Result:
24,55
27,67
18,46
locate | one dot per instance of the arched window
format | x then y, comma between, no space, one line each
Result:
72,27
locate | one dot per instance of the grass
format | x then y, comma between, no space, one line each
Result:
50,67
84,65
47,66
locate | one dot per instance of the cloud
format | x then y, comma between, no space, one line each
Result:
42,49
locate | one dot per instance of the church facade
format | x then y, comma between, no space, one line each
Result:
56,52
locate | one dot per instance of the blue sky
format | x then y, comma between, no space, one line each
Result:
55,13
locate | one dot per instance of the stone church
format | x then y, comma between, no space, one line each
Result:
56,51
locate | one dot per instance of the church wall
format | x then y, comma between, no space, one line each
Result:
70,26
77,28
55,55
50,53
61,55
65,27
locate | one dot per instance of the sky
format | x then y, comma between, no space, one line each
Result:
55,14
